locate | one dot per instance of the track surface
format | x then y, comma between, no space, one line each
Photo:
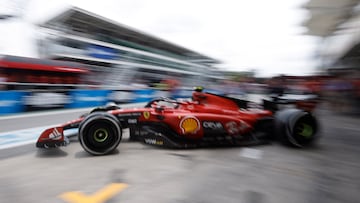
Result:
328,172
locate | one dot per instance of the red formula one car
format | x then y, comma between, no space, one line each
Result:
205,120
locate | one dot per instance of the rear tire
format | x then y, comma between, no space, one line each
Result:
296,127
304,131
100,133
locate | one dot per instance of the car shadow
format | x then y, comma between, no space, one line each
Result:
84,154
50,153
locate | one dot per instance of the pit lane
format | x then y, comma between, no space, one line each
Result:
270,173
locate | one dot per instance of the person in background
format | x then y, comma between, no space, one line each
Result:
277,86
171,85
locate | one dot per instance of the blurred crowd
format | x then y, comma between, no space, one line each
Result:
339,94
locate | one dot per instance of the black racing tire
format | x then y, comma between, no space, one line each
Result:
296,127
100,133
304,131
101,109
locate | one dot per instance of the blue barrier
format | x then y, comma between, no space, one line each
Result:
11,102
20,101
144,95
121,96
182,94
88,98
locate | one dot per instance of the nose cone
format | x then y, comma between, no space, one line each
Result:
52,137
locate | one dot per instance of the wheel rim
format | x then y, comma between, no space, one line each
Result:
305,130
100,135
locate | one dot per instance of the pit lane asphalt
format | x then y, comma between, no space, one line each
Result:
327,172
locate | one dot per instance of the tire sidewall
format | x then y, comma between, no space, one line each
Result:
86,125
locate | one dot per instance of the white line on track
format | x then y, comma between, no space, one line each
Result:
20,137
30,135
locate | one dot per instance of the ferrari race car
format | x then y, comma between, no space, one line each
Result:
204,120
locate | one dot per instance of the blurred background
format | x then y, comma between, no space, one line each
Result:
70,54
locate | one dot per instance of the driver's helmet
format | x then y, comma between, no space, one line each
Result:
198,95
198,89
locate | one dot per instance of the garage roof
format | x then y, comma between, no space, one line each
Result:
17,62
75,16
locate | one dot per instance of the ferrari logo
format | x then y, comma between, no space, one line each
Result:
146,115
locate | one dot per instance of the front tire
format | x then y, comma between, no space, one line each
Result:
100,133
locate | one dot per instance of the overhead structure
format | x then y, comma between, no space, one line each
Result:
119,51
77,20
326,15
337,23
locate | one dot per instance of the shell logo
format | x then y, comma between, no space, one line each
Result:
189,125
